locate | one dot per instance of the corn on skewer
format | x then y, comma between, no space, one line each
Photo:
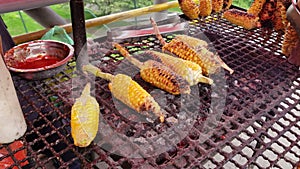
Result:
217,5
191,71
256,7
129,92
191,41
241,18
158,74
189,8
209,62
205,7
84,118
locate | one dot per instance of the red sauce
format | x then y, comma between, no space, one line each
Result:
37,62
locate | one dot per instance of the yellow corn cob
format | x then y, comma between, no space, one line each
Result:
129,92
290,40
191,71
217,5
205,7
256,7
241,18
189,8
158,74
279,20
227,4
84,118
209,62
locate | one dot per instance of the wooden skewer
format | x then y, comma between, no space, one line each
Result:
100,20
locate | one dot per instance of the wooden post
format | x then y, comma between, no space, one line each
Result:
79,32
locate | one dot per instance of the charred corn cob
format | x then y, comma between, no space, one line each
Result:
241,18
191,71
84,118
129,92
205,7
290,40
217,5
227,4
182,50
209,62
286,3
280,20
283,11
189,8
158,74
268,10
256,7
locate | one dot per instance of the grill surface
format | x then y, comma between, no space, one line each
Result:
259,127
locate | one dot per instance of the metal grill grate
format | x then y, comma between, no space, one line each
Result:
259,128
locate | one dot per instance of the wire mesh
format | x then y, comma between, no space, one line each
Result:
259,128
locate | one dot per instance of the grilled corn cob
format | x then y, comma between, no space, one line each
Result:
241,18
191,71
268,10
290,40
280,20
158,74
205,7
84,118
217,5
209,62
129,92
256,7
189,8
191,41
227,4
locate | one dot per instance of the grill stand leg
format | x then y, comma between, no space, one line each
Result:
79,32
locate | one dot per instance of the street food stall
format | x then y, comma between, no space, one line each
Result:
248,118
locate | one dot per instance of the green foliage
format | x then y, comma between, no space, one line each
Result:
106,7
63,10
245,4
97,7
14,23
16,27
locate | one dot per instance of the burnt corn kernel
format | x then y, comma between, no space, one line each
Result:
164,78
